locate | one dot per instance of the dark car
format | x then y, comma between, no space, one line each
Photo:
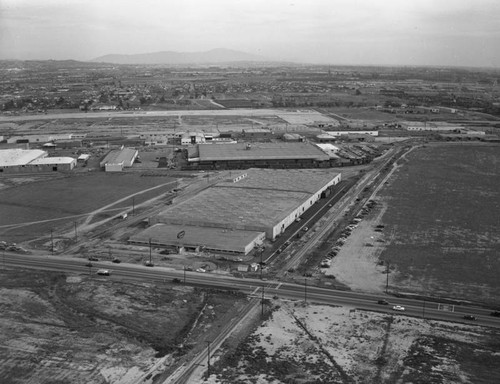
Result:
469,317
92,258
383,302
116,260
149,264
176,280
88,265
495,313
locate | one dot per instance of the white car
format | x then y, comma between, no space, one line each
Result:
103,272
398,308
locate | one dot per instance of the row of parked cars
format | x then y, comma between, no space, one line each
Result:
367,208
326,262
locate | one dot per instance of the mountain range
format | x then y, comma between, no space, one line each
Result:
214,56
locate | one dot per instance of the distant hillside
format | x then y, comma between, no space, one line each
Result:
214,56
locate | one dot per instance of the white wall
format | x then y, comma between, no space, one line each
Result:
287,221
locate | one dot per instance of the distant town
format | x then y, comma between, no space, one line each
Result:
226,222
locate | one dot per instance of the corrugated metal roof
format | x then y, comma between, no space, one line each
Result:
271,151
119,156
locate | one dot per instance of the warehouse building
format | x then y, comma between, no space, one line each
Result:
118,159
30,161
196,238
259,155
237,214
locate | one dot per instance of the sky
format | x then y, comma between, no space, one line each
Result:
353,32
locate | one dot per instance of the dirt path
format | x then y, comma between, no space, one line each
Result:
357,263
97,211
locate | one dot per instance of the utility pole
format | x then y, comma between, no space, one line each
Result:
150,262
305,291
262,303
208,359
52,241
261,265
387,279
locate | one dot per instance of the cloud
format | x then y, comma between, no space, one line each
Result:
368,31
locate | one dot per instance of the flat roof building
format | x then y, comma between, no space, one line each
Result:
19,157
195,238
257,201
259,155
35,160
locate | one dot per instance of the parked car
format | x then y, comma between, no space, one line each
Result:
383,302
149,264
495,313
88,265
92,258
103,272
176,280
116,260
469,317
398,308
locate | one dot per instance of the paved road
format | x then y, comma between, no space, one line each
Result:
287,291
191,112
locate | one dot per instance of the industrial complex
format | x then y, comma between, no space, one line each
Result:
251,206
261,155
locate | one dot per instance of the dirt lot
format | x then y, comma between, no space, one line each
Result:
320,344
61,200
75,329
440,218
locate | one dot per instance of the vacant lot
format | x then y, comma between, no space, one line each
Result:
76,329
442,220
320,344
67,199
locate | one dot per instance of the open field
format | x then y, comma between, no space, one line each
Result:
76,329
442,220
68,199
320,344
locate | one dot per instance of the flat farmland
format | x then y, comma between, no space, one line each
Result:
55,202
442,220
